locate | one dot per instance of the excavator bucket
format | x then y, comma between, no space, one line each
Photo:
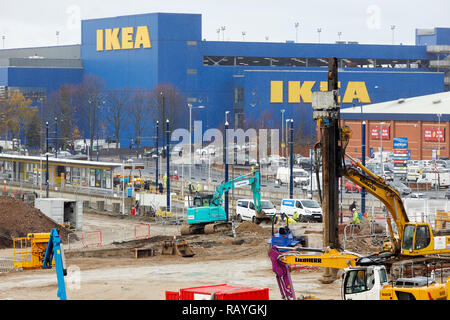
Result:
183,249
178,247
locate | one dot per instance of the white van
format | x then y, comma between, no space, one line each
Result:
245,209
308,210
413,173
301,176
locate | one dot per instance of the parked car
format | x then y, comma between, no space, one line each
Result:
447,194
308,210
351,187
400,187
416,195
245,209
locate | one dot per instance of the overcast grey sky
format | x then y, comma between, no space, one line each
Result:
26,23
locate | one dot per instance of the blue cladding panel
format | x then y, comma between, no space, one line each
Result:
3,76
50,78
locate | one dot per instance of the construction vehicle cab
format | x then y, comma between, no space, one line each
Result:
418,240
363,283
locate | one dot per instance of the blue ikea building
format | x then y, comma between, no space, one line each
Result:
255,81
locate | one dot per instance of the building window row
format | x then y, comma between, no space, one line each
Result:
311,62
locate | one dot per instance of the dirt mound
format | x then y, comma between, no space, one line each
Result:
18,218
250,227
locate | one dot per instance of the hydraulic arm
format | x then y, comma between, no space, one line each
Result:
54,251
251,179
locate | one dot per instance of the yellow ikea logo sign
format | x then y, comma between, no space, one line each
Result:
302,91
108,39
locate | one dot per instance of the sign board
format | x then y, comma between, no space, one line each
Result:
434,134
375,132
400,143
241,183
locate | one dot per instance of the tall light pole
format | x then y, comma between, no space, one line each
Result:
319,30
223,32
225,160
291,160
190,135
157,157
296,25
56,137
218,34
363,153
3,40
339,35
439,135
283,143
168,165
46,157
286,136
393,31
243,35
381,148
57,37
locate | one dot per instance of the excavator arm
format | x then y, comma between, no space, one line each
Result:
376,186
251,179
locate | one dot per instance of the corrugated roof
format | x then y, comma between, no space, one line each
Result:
416,108
59,161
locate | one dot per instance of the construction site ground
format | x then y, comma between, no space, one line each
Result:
112,272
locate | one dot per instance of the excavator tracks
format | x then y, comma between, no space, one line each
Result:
217,227
209,228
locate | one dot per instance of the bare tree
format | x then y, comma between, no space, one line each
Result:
139,112
62,105
91,95
116,116
167,102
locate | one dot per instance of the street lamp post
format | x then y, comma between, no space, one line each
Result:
56,137
286,137
225,159
190,135
439,135
296,31
363,152
157,156
46,157
393,30
223,32
168,164
283,143
291,162
381,148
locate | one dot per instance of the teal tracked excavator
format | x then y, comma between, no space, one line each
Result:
206,214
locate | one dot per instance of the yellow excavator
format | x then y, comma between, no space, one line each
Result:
413,239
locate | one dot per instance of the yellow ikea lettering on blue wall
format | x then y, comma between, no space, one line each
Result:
302,91
123,38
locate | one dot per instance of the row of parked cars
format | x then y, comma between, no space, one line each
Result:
307,210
